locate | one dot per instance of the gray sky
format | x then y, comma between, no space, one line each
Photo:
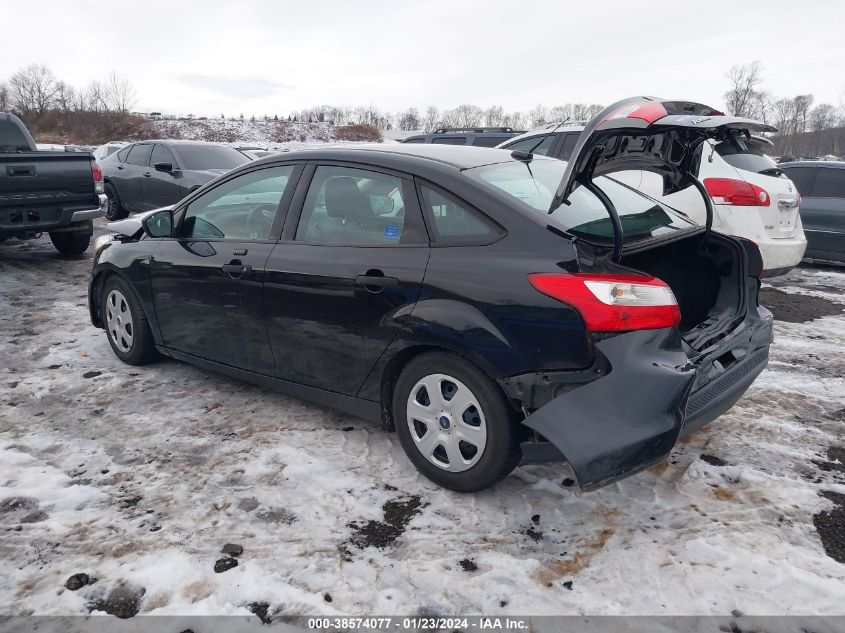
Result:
264,56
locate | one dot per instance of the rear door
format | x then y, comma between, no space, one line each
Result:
207,281
346,274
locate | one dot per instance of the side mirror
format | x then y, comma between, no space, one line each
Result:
381,205
165,167
159,224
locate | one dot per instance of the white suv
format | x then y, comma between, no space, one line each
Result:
752,197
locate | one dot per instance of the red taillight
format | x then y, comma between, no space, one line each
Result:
97,173
736,192
613,303
649,112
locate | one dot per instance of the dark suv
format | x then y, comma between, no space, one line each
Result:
822,188
478,136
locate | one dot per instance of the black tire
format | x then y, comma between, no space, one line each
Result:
501,453
70,244
140,350
114,209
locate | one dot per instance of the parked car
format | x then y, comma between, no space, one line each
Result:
107,149
822,187
752,198
153,174
53,192
478,136
452,294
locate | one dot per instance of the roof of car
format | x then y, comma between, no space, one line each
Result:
459,156
814,163
167,141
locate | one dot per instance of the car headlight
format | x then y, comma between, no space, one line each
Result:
100,243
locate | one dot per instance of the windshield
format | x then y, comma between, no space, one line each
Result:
750,157
201,157
534,184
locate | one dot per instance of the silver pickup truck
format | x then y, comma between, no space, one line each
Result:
59,193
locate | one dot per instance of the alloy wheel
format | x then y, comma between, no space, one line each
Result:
119,321
446,422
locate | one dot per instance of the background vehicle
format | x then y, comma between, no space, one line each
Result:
822,187
53,192
752,197
107,149
153,174
430,287
479,136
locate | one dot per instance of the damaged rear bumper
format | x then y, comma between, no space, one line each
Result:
649,391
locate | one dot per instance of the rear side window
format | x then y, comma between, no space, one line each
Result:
487,140
569,141
346,206
802,177
415,139
122,154
450,140
830,183
543,149
749,158
140,155
456,222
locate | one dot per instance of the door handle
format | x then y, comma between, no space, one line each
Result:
375,281
148,175
237,270
120,166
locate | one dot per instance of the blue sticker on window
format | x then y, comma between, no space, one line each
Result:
391,232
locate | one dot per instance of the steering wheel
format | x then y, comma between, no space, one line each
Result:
258,224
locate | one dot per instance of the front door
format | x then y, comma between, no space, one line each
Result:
161,188
207,281
345,278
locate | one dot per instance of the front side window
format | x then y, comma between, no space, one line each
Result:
456,222
544,144
830,183
488,140
534,184
140,155
449,140
352,207
162,155
202,157
242,208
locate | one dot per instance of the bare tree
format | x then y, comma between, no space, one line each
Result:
118,94
494,116
741,97
466,115
431,119
409,119
4,97
33,89
538,115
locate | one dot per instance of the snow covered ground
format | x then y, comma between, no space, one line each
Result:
138,477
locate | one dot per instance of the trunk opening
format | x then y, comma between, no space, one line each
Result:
706,280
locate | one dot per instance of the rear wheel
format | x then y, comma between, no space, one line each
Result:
114,210
454,423
70,244
126,324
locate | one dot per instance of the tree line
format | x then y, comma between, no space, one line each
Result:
102,110
803,128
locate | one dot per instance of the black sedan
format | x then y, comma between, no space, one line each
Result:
822,188
153,174
491,307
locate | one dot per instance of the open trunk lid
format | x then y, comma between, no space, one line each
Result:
649,134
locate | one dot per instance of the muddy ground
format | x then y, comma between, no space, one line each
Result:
166,489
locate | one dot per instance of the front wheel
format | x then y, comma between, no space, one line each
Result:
454,423
126,324
70,244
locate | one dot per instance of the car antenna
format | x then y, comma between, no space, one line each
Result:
521,154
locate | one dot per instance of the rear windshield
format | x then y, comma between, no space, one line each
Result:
200,157
750,158
533,184
11,137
